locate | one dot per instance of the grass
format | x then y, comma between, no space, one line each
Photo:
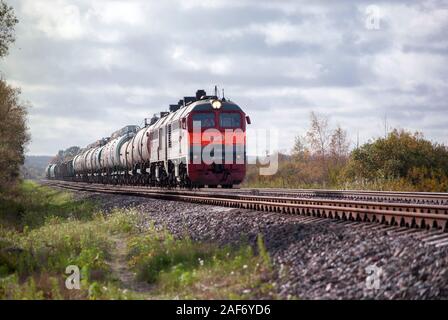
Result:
29,205
42,231
184,269
39,239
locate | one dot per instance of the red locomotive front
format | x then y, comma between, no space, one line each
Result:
217,143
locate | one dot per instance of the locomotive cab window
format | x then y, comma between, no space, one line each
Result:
207,119
230,120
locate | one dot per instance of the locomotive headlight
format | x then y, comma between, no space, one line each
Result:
216,104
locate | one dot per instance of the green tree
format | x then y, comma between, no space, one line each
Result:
13,129
8,21
299,150
402,156
66,155
71,152
13,133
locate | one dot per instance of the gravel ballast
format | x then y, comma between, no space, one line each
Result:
323,260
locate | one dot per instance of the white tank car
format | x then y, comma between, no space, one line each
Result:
109,163
92,160
47,171
104,155
137,147
129,155
147,137
154,144
123,161
96,159
52,171
115,152
112,149
88,161
78,162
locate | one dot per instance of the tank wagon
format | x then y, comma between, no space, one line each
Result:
200,141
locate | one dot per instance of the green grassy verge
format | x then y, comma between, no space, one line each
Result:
42,231
188,270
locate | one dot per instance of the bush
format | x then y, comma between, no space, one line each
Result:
402,161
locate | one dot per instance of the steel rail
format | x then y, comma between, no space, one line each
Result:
396,214
437,197
422,208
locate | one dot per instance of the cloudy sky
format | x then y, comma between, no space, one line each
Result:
90,67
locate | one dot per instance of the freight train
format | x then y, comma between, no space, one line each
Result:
200,141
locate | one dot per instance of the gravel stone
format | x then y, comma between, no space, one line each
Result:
312,261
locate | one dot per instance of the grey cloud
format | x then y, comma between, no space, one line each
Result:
116,73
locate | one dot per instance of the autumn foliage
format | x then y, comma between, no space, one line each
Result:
322,159
402,160
13,134
316,160
13,129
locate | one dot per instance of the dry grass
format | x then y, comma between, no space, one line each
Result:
51,230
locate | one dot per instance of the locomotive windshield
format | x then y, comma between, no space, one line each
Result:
229,120
207,119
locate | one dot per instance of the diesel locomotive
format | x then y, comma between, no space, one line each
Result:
200,141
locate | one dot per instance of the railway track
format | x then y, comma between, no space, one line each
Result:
395,214
356,195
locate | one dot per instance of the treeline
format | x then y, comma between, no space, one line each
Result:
66,155
322,159
13,128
